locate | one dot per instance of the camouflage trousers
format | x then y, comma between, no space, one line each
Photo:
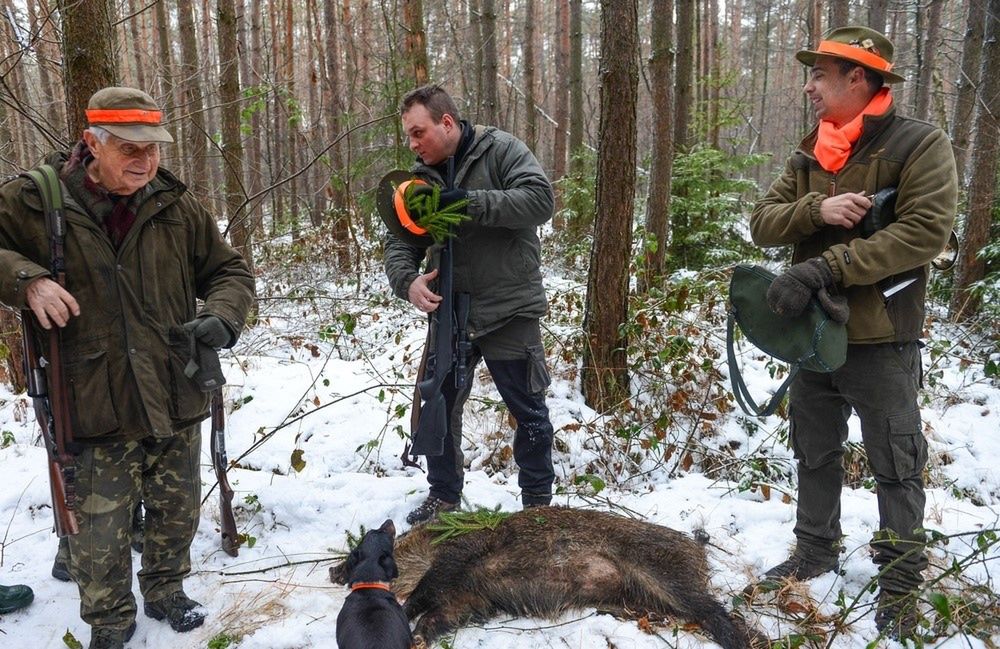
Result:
165,475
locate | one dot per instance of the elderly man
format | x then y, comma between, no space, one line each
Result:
497,261
820,205
139,252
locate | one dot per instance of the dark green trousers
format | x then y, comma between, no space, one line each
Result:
880,384
165,475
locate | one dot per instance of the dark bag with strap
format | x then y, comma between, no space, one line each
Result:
810,341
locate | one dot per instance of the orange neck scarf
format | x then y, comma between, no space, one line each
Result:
833,145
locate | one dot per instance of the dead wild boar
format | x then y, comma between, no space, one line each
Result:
547,560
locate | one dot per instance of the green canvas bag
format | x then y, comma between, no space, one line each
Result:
810,341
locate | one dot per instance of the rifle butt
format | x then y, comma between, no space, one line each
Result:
65,520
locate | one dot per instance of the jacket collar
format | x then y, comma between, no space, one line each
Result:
874,126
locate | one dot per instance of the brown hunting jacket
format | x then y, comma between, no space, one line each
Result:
894,151
124,377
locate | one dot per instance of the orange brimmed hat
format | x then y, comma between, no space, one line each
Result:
860,45
127,113
390,201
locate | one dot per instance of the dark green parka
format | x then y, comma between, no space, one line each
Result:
893,151
124,378
497,254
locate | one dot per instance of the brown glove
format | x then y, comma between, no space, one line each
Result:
790,292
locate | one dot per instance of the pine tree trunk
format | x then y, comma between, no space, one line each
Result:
575,86
928,48
192,103
88,56
965,98
137,30
48,64
489,109
985,165
685,73
839,13
661,79
561,99
528,53
877,11
415,42
605,372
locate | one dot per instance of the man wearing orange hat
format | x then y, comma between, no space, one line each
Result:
138,252
874,278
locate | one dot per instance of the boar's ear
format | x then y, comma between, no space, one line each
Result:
388,564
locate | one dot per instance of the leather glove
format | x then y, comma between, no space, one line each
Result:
210,330
447,197
790,292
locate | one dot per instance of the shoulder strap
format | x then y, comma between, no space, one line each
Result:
740,390
50,189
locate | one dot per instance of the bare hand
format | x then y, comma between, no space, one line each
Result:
421,296
844,210
51,303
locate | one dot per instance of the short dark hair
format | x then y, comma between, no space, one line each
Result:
872,78
434,98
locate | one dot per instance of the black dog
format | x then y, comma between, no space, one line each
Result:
371,618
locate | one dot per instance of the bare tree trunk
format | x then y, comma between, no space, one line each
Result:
985,164
137,31
340,177
877,11
292,122
192,103
931,44
839,13
528,53
561,98
965,99
605,364
415,41
489,110
658,203
714,73
255,168
45,42
575,85
232,146
88,57
685,72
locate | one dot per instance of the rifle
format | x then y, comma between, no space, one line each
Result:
432,424
47,388
230,537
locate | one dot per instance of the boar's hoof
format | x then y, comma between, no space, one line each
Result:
418,642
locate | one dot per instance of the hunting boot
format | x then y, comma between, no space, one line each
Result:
103,637
60,566
14,597
182,612
535,500
797,567
896,615
429,509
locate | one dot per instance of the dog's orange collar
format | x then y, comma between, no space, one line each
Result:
362,585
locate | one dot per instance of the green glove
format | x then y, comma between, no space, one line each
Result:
790,292
210,330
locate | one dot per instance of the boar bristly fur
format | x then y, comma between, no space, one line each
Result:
547,560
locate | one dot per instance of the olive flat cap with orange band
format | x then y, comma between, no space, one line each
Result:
860,45
127,113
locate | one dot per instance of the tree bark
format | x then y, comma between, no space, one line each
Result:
192,103
489,107
415,41
575,85
561,100
965,98
605,372
839,13
877,10
88,56
927,50
528,54
662,159
685,72
985,164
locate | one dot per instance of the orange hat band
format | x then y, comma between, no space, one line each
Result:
853,53
123,116
403,214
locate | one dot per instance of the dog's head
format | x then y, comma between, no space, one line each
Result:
371,560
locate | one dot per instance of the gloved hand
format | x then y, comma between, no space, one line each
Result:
448,196
211,330
789,293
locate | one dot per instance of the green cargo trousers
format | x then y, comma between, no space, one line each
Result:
165,475
880,383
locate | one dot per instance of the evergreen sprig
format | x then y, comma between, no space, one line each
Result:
426,211
452,524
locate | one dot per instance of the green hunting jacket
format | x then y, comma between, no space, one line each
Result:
497,254
123,354
893,151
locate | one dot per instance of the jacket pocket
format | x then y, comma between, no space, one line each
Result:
187,401
907,444
92,404
538,373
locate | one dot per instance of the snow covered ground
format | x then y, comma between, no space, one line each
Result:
327,380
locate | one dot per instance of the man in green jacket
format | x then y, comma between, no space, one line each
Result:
497,262
876,282
140,253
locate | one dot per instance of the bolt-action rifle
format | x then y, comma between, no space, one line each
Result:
43,367
230,537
